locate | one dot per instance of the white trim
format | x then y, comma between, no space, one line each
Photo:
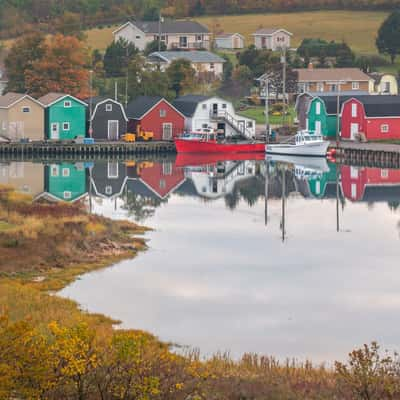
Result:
126,24
62,98
114,195
108,128
272,33
51,197
158,194
112,101
23,98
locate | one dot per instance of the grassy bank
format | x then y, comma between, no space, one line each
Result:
257,113
50,349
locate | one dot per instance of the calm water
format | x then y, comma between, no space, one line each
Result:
312,272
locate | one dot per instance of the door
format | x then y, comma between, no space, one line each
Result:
167,131
353,131
55,131
113,130
263,42
318,127
215,109
183,42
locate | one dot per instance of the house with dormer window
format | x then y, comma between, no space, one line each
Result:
176,35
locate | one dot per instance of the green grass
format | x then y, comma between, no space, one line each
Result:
257,113
5,226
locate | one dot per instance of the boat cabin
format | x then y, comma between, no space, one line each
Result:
304,137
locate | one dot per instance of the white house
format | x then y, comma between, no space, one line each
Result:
272,39
203,62
186,35
213,112
382,83
3,78
229,41
217,182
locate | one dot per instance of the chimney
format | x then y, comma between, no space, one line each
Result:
310,66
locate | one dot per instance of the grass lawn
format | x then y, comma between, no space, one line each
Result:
257,113
4,226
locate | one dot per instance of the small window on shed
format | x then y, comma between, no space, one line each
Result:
211,65
67,104
199,38
67,195
249,124
65,172
384,128
163,112
224,105
66,126
137,37
26,109
354,110
108,107
54,170
384,173
204,106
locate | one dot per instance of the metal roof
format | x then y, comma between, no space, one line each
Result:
331,74
194,56
137,108
187,104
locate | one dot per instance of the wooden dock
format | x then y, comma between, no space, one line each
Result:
74,150
379,155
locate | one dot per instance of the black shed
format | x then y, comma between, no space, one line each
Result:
108,119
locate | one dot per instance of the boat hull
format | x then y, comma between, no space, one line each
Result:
194,146
310,149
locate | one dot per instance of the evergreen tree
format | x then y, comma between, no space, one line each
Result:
151,47
388,40
181,75
117,57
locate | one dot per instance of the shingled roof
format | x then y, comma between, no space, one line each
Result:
270,31
187,104
137,108
11,98
194,56
331,75
167,26
53,97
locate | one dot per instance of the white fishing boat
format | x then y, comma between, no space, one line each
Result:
305,163
303,143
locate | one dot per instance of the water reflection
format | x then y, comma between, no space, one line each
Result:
215,276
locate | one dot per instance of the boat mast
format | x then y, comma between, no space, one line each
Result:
283,222
266,191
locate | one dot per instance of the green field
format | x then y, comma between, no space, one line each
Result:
257,113
357,28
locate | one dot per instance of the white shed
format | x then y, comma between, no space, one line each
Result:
229,41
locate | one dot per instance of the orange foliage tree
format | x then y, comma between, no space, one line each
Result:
62,68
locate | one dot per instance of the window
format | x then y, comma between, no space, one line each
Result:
65,126
26,109
167,168
386,87
204,126
353,172
204,106
211,65
67,104
163,112
355,85
384,173
199,38
353,190
162,184
318,108
354,110
108,190
384,128
54,170
108,107
249,124
137,37
224,105
163,38
334,88
67,195
112,170
65,172
320,87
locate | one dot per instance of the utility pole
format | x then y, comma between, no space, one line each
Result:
284,85
339,83
91,103
266,88
126,77
159,31
116,90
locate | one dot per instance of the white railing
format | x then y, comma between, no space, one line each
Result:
239,126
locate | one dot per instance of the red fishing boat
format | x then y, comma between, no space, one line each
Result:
207,142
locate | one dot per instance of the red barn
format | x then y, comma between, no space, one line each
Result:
356,181
377,117
157,115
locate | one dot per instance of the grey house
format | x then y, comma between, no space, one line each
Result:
185,35
106,117
205,63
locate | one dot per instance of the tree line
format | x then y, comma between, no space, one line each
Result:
18,16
